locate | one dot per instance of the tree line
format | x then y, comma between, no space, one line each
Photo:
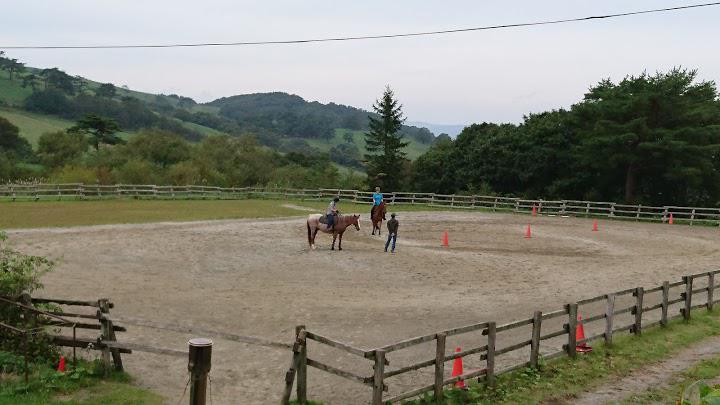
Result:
91,152
650,139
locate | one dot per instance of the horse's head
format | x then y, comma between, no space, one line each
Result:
356,221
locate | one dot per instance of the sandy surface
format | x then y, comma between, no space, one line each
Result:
258,278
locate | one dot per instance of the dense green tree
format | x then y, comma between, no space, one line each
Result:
106,90
11,142
30,80
57,79
432,172
160,147
57,149
652,138
384,143
101,130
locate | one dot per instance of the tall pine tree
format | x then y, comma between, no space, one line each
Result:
384,143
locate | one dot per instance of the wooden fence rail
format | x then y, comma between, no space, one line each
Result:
642,314
36,192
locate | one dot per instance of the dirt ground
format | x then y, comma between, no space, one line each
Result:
258,278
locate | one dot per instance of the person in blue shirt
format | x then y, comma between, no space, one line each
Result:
377,199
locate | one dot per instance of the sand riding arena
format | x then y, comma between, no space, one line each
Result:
258,278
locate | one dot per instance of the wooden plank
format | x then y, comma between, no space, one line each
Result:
593,318
409,342
465,329
554,334
572,323
378,377
554,314
512,325
677,300
639,292
410,394
609,313
439,366
676,284
337,345
535,341
137,347
338,372
625,310
591,300
654,289
86,343
510,348
653,307
513,368
65,302
590,338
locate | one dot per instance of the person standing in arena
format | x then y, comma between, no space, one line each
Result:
392,227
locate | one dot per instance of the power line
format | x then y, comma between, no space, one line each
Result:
364,37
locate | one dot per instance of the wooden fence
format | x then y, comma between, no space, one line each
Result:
632,310
70,316
36,192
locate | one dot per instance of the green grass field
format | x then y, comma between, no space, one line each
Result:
33,125
42,214
11,92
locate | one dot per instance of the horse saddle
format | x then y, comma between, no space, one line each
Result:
324,219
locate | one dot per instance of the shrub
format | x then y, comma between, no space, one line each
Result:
21,273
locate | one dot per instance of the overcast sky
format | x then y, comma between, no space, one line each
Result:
454,79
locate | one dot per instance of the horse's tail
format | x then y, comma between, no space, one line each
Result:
309,234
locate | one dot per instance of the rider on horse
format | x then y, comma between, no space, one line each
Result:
332,212
377,199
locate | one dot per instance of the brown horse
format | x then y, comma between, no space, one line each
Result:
342,222
378,215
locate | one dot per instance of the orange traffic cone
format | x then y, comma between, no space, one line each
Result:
458,370
580,335
595,226
534,211
670,221
528,233
61,364
445,241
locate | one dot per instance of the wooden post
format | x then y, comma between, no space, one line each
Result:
439,366
290,375
688,296
490,357
711,289
612,210
572,325
378,384
199,360
609,312
637,328
302,367
664,308
535,342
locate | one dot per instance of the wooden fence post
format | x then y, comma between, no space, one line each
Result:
302,366
637,328
490,357
378,384
688,297
572,324
609,312
664,308
439,366
711,289
199,361
535,341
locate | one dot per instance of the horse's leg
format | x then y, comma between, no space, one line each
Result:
340,242
373,232
313,238
334,238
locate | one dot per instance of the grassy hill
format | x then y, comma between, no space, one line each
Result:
279,120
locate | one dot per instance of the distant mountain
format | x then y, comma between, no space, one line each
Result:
451,129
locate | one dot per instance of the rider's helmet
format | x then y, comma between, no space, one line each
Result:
336,199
